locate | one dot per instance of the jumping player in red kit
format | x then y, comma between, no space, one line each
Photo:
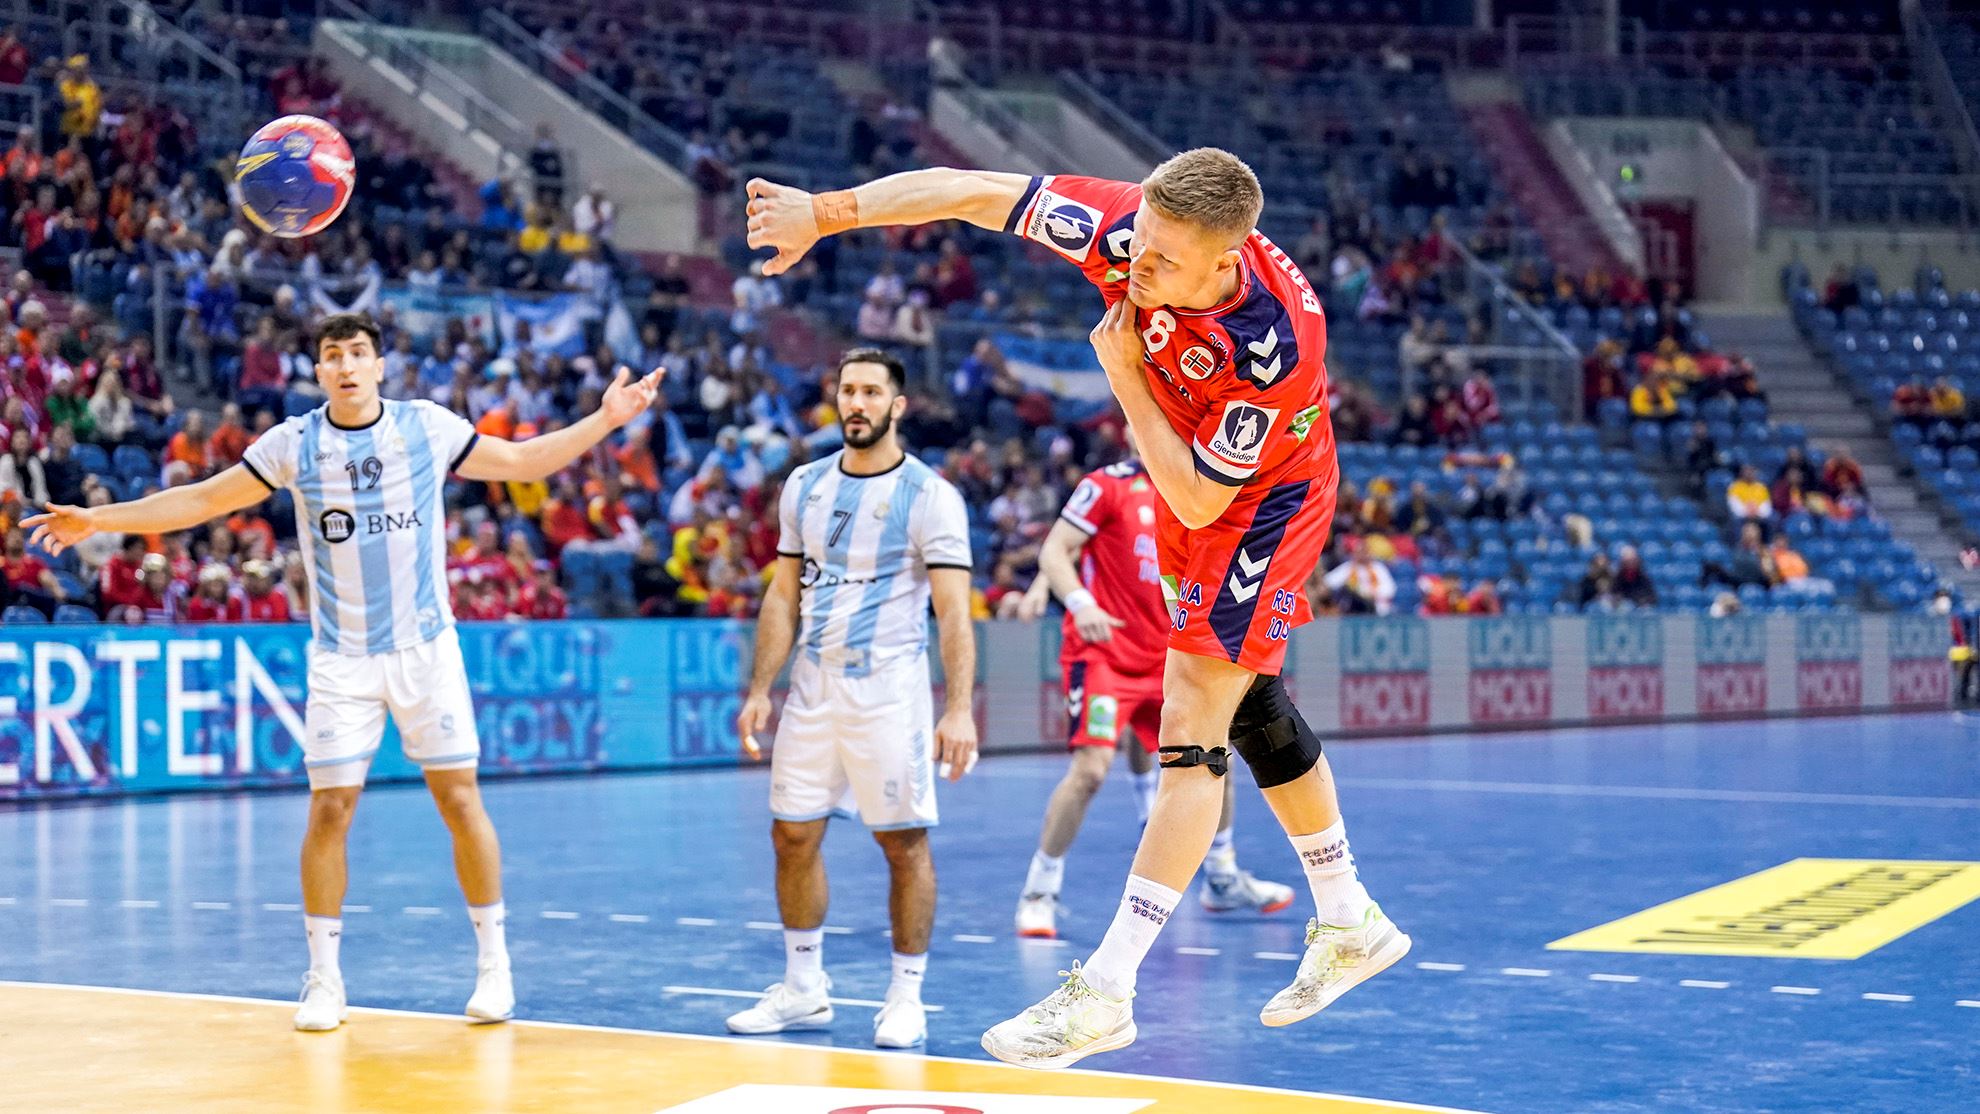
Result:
1212,342
1100,561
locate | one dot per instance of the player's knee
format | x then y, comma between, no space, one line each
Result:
1271,736
904,847
1088,772
796,841
332,809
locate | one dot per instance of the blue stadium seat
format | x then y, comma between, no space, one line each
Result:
19,613
93,459
73,613
130,460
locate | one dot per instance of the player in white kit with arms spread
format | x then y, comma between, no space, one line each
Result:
368,477
869,536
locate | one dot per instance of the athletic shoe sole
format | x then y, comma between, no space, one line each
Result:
341,1017
808,1024
1067,1059
1397,947
485,1019
1039,933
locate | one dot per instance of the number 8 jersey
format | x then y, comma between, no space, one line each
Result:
371,519
1244,384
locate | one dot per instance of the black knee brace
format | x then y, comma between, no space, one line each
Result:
1217,758
1271,736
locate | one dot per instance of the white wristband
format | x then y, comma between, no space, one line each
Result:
1078,600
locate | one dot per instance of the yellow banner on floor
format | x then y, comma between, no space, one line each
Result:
1804,909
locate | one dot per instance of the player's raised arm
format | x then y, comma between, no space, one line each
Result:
496,459
176,508
791,220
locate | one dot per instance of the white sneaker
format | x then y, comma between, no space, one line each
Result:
1228,893
1337,960
494,993
785,1010
322,1007
1038,917
1075,1022
901,1023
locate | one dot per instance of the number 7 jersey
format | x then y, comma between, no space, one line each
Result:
1244,383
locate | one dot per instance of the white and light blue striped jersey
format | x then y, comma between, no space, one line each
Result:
867,543
371,518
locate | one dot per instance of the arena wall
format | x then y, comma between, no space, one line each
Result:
108,710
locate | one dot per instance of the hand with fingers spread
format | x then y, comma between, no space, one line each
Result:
784,218
624,399
59,527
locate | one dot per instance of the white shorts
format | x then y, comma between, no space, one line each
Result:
872,735
424,687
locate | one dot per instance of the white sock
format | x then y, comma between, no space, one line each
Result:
489,934
324,933
1222,860
804,958
1046,875
1337,891
1145,907
1145,784
908,971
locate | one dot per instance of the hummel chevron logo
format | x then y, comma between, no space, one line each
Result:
1244,583
1117,241
1263,349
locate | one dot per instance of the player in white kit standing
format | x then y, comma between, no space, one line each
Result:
368,477
869,535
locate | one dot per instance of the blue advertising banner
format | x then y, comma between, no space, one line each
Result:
116,709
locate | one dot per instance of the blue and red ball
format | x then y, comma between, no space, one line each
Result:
295,176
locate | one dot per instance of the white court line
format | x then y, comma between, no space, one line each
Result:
731,1041
1525,972
716,992
1200,951
1968,1003
764,926
696,922
69,902
6,901
966,938
1887,998
421,911
1427,966
836,930
1041,942
1282,957
1661,793
559,915
138,903
1802,990
213,905
1704,984
1599,977
280,907
357,908
630,918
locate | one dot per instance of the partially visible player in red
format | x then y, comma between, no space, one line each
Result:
1212,342
264,603
1100,561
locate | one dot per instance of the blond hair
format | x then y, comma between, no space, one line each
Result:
1210,188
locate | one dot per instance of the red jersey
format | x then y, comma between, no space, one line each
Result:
1244,384
542,603
120,582
271,608
199,609
1244,381
1115,508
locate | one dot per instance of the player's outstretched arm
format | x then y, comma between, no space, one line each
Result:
175,508
791,220
495,459
955,733
776,631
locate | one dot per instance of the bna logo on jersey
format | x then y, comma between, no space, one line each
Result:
337,525
1064,224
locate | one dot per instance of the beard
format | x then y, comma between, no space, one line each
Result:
875,431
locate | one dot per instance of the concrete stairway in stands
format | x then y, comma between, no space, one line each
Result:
1520,160
1803,390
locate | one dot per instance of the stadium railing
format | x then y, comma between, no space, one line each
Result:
610,104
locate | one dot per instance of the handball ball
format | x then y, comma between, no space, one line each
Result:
295,176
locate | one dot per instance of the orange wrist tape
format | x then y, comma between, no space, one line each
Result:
835,211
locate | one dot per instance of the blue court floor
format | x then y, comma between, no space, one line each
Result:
645,902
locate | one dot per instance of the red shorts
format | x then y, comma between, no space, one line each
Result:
1100,702
1237,587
